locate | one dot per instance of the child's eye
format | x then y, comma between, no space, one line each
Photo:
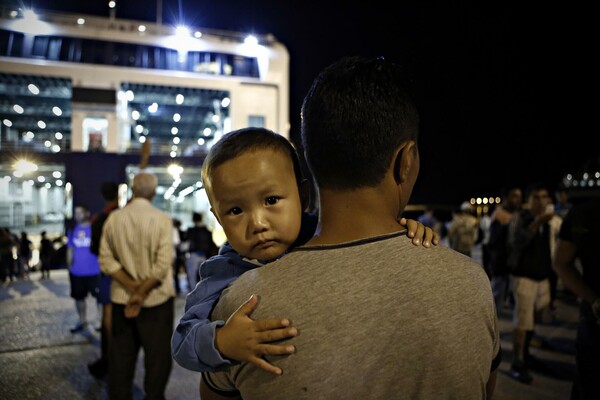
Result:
272,200
235,211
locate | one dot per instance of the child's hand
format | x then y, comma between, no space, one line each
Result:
418,231
244,339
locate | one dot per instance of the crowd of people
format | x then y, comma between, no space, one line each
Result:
296,291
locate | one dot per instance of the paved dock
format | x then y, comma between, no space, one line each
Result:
41,359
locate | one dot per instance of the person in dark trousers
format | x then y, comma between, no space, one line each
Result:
200,247
578,243
46,252
110,194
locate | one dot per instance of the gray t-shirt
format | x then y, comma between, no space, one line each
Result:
377,319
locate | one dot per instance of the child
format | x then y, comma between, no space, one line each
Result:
254,183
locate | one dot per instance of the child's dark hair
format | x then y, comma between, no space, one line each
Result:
245,140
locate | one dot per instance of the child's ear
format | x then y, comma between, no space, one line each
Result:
304,190
404,161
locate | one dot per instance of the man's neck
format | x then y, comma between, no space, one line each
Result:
353,215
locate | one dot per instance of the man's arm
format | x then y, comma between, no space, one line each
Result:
564,265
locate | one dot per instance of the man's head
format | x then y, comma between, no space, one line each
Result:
355,116
109,191
538,198
358,121
81,214
254,184
144,185
512,196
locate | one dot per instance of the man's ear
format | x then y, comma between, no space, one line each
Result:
304,191
404,161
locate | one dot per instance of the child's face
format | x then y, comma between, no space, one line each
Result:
256,200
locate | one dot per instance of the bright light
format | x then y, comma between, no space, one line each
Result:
176,140
18,109
225,102
174,130
80,21
179,99
57,111
175,170
173,154
215,118
7,122
197,34
176,117
200,141
142,139
55,148
33,89
41,178
112,4
251,39
58,135
25,166
129,96
206,131
182,31
47,143
29,15
135,114
139,128
142,28
41,124
56,174
47,185
59,182
153,108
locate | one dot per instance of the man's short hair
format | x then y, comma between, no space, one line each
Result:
355,115
246,140
109,191
144,185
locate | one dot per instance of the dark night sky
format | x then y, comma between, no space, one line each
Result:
501,87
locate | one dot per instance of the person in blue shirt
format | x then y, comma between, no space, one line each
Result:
254,183
84,269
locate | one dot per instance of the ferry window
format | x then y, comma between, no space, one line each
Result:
94,52
46,47
40,44
70,50
124,54
11,43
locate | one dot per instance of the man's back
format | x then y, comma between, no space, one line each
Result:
137,238
416,323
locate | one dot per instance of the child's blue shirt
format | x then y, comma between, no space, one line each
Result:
193,341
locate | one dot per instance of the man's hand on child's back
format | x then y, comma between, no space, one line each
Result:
420,233
244,339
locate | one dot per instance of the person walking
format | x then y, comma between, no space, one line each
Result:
110,194
84,270
512,199
200,247
532,236
578,243
46,252
463,230
136,250
25,252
